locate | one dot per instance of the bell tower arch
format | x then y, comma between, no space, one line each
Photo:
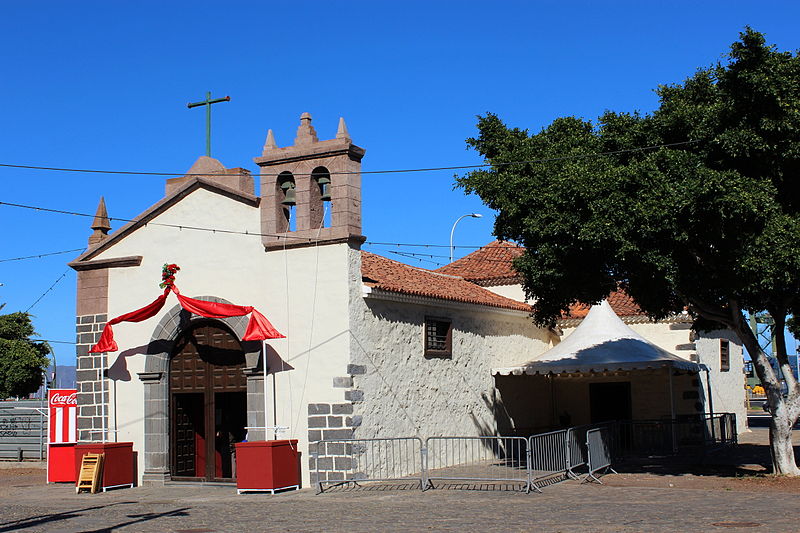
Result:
326,178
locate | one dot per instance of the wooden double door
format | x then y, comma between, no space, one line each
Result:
208,403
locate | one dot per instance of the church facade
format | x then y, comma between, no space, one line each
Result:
373,347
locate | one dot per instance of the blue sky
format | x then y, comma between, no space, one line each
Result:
105,85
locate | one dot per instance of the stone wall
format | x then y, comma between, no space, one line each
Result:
403,393
330,421
89,378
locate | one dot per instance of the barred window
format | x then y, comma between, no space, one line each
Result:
724,355
438,337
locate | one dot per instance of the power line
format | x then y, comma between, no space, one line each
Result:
41,255
48,290
54,342
177,226
217,230
465,258
389,171
424,245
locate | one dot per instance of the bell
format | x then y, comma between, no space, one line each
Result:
290,198
325,188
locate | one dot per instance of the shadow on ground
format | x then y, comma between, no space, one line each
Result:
735,461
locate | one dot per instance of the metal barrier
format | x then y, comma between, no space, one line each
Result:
721,429
599,446
523,461
342,461
548,454
23,431
479,459
665,437
577,455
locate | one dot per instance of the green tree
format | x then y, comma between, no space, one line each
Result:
710,221
794,327
22,361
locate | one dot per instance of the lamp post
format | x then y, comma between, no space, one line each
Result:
472,215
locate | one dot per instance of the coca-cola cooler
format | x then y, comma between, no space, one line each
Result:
62,422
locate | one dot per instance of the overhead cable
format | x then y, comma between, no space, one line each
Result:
48,290
390,171
41,255
216,230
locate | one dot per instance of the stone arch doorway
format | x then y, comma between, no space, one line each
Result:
207,402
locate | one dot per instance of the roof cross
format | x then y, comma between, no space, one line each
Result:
207,102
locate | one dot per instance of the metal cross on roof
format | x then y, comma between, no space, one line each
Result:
207,102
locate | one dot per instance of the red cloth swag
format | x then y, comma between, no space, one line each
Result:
107,343
258,327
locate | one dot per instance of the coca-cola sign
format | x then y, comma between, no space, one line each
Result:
63,397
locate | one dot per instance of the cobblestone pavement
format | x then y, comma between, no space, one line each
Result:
27,505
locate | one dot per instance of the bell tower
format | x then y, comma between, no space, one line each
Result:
302,183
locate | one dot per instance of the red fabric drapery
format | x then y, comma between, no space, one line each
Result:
258,328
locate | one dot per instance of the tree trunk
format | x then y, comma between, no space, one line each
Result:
783,411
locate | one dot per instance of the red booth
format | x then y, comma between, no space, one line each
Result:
118,465
62,422
267,466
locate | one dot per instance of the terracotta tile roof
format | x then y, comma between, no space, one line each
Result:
388,275
490,265
622,304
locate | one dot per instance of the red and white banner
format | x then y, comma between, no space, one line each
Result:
63,416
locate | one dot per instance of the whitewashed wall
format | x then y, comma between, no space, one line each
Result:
301,291
727,388
408,394
514,291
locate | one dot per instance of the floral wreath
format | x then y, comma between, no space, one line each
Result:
168,275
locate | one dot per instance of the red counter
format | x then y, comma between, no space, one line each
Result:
118,464
267,466
61,463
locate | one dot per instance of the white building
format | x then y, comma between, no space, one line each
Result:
374,347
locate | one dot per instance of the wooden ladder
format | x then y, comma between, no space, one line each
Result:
91,472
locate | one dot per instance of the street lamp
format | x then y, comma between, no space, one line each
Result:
472,215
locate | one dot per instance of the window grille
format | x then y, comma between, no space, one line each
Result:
438,337
724,355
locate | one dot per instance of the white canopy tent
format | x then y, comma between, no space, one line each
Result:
601,343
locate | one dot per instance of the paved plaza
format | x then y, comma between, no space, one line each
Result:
565,507
627,502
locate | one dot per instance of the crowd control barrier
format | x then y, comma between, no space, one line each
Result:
526,463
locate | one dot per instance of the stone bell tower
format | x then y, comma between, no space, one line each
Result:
301,183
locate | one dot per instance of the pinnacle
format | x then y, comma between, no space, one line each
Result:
342,132
270,142
101,224
101,221
305,132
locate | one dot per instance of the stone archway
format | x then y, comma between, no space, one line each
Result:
156,388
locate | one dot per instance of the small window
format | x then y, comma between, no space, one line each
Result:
724,355
438,337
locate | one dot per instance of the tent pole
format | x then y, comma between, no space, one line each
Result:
672,408
710,404
103,361
275,403
264,370
554,412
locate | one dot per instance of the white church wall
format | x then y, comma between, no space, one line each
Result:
727,387
405,393
514,291
302,291
314,317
